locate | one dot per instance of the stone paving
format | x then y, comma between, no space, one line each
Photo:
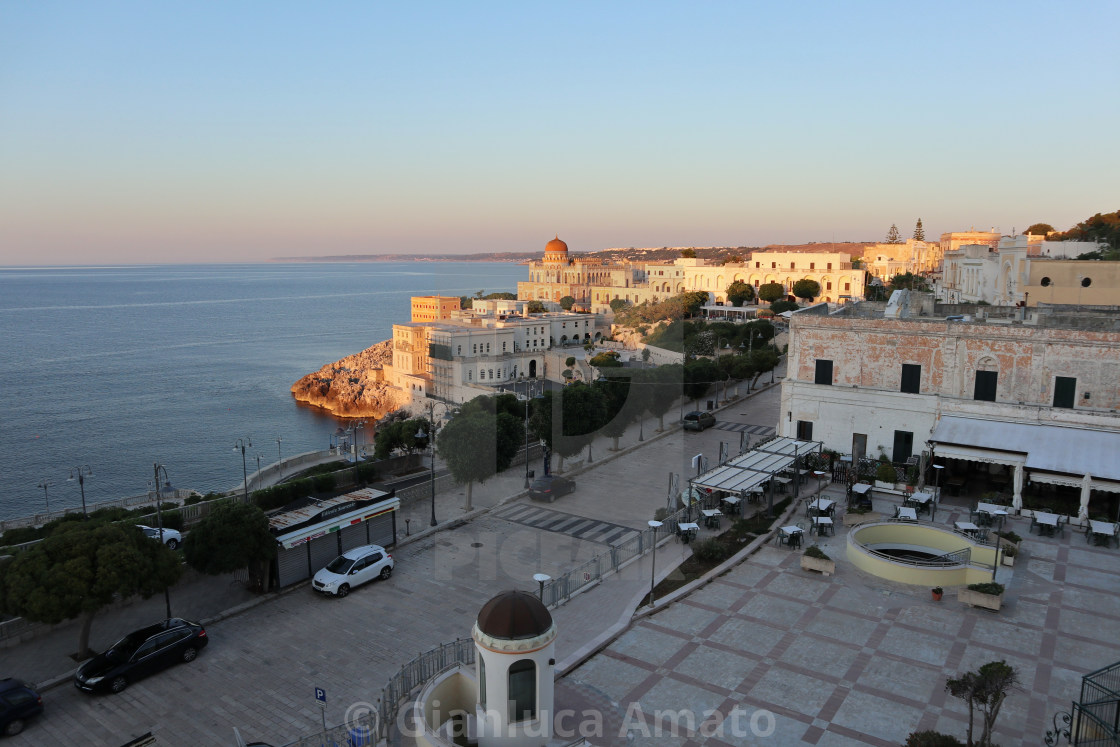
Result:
259,671
853,659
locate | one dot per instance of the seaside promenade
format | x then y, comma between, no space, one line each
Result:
802,659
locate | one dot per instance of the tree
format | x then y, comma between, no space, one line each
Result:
892,235
1039,229
732,259
807,289
699,375
399,434
606,359
618,305
739,293
919,232
465,302
476,445
771,292
618,410
909,280
231,537
583,411
645,355
501,296
662,386
688,253
535,307
985,689
82,567
779,306
567,302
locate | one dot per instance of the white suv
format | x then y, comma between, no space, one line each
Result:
353,568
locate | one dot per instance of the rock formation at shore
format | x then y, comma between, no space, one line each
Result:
353,387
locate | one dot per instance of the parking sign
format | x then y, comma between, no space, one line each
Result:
321,697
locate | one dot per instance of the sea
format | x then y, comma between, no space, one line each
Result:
116,369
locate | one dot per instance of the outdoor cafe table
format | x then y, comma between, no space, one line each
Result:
906,513
732,502
803,474
966,526
861,488
821,522
711,516
782,482
921,498
1046,522
820,504
789,531
1101,531
688,530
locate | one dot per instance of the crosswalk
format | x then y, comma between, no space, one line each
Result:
591,530
757,430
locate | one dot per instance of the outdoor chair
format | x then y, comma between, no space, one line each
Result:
794,540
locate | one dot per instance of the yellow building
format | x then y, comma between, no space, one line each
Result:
433,308
1069,281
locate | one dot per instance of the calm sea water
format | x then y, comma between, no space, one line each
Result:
120,367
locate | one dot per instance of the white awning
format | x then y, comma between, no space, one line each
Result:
1049,448
749,470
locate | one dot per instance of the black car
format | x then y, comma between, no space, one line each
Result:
546,488
18,702
141,653
698,420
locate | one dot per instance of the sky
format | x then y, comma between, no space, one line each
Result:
136,132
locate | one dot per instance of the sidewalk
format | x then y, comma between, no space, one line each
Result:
586,622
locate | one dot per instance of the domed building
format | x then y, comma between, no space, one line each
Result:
556,251
559,274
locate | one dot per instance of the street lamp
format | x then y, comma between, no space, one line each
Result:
542,579
241,443
432,443
528,396
157,468
258,471
353,430
44,485
81,473
654,525
280,456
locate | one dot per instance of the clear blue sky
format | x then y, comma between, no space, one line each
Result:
174,132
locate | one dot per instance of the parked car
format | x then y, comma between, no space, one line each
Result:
141,653
171,537
548,487
698,421
18,703
353,568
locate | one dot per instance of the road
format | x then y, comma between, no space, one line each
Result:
261,666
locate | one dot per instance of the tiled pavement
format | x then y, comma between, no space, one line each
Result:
853,659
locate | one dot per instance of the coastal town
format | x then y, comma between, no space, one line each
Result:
839,432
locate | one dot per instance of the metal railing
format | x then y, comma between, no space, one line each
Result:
415,673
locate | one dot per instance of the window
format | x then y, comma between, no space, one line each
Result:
487,347
522,690
793,265
824,373
773,265
985,390
503,347
1045,282
474,348
482,681
812,265
911,378
805,430
847,286
470,375
829,285
1064,389
829,266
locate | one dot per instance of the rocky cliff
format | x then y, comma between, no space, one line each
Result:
352,387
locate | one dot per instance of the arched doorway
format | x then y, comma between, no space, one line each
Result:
532,369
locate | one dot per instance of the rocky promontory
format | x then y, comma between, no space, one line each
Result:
353,387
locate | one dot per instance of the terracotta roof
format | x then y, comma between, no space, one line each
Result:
514,615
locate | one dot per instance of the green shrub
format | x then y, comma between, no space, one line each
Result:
110,513
932,739
191,500
19,535
710,551
885,472
813,551
660,514
988,587
1010,537
173,520
324,483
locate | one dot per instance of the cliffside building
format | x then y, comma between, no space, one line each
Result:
433,308
1013,396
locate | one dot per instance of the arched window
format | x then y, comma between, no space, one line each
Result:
522,691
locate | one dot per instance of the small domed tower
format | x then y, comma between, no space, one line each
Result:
515,639
556,252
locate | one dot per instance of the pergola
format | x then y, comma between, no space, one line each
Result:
745,473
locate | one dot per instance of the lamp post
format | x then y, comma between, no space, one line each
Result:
158,468
81,473
432,444
280,457
354,431
44,485
541,579
258,472
654,525
528,390
241,443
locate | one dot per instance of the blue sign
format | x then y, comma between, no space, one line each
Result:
321,697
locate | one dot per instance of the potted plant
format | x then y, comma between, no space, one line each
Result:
885,476
1009,552
815,559
988,595
1009,540
937,591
